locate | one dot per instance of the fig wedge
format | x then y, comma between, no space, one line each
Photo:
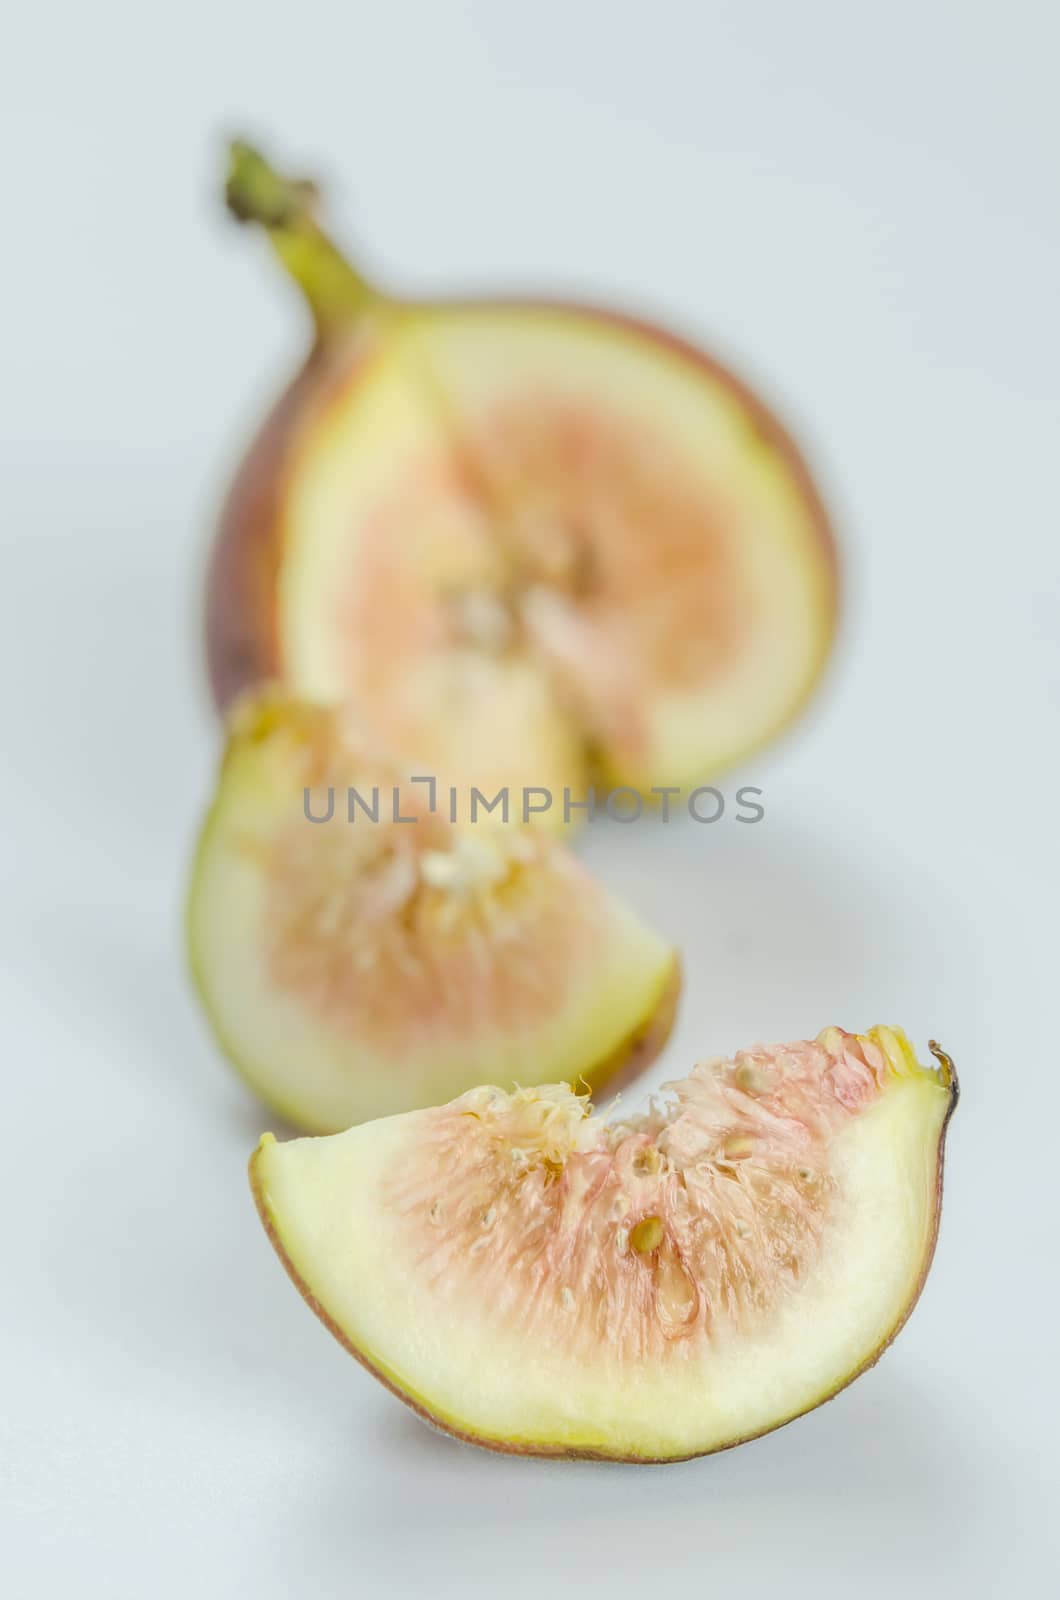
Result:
536,1280
358,955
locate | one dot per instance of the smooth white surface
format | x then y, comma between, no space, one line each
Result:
857,204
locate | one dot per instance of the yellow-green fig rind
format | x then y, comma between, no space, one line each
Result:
264,1170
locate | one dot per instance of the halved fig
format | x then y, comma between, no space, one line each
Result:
537,1280
543,542
385,959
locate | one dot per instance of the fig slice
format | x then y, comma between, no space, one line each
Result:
535,1279
545,543
385,959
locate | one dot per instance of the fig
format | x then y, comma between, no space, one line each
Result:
358,954
535,1279
544,542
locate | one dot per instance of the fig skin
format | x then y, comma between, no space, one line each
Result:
242,642
242,646
560,1453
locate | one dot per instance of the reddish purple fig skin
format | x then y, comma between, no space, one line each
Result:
242,642
242,633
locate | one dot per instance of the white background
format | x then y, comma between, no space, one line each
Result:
859,205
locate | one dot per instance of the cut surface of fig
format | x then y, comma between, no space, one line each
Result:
535,1279
546,544
589,539
384,959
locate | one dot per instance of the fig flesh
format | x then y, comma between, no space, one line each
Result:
536,1280
543,543
358,954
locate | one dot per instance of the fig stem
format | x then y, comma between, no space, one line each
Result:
947,1070
337,295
